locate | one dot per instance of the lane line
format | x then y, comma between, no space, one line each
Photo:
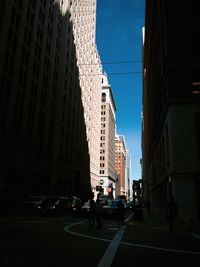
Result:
114,243
129,217
66,229
163,249
108,256
195,235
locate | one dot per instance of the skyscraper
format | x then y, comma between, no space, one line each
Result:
128,175
171,106
50,98
120,163
84,22
107,144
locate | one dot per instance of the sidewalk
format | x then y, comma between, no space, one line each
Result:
154,219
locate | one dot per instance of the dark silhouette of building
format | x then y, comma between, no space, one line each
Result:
171,106
43,144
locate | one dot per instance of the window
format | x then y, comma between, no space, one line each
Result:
103,97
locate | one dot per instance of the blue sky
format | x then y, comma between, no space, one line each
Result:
119,39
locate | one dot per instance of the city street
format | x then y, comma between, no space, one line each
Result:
68,241
99,133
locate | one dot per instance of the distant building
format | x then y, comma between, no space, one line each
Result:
171,106
128,175
107,140
120,163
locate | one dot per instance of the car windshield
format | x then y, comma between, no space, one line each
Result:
50,201
76,201
112,203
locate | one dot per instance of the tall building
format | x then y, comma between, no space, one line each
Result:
107,138
171,106
90,69
128,175
50,98
120,163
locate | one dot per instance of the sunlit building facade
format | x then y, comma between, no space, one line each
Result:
128,175
83,14
107,140
120,164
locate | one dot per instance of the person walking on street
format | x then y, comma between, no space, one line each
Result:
172,214
120,211
92,211
98,212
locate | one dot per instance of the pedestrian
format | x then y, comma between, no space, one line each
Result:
172,214
92,211
98,212
120,211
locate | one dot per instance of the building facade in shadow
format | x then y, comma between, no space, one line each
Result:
171,106
43,134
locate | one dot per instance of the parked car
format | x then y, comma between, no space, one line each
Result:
110,208
31,203
104,200
54,205
73,200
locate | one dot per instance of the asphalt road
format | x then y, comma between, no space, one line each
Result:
69,242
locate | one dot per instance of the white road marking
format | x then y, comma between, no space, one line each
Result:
163,249
66,229
195,235
109,254
129,217
112,248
